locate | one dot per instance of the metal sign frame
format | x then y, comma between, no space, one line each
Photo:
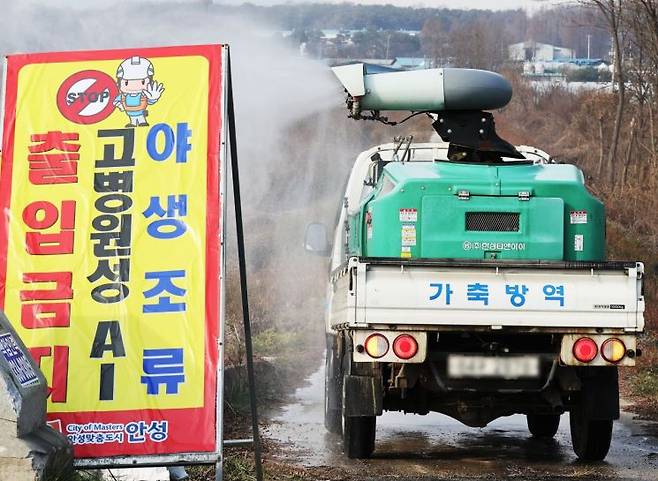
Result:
187,458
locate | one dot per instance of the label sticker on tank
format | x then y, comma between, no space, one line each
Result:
578,217
578,242
494,246
408,235
408,215
406,252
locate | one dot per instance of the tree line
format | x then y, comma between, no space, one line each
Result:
633,27
469,36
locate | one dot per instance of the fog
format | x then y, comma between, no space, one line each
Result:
295,149
273,85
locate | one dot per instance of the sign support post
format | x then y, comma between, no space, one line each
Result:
243,275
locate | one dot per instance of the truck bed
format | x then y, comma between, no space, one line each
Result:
552,295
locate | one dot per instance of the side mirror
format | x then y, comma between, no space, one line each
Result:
316,240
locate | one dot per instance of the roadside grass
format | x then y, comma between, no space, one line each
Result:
283,361
294,355
239,466
284,358
236,467
641,382
561,123
276,343
86,475
645,382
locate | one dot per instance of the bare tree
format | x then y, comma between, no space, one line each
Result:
434,39
612,11
478,45
647,12
644,27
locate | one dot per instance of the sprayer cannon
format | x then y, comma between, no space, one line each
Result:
432,90
456,100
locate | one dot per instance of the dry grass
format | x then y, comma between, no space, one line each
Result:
568,126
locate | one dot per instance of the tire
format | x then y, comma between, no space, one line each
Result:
590,437
332,417
359,436
358,431
543,426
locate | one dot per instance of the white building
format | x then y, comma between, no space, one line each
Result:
538,52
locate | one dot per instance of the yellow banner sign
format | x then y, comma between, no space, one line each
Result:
109,241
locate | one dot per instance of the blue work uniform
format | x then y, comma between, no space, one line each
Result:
132,100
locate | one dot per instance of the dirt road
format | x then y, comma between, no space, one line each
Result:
435,447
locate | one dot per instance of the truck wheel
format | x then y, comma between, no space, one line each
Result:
359,436
590,437
543,425
332,390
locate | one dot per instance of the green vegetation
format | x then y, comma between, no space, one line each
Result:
87,475
279,344
239,466
236,468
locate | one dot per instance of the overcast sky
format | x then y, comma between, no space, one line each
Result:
466,4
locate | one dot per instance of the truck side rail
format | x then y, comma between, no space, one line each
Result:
489,263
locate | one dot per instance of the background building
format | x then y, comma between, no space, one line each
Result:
538,52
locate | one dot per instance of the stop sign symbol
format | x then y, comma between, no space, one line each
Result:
87,97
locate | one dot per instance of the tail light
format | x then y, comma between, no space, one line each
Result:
405,346
613,350
585,349
376,345
601,349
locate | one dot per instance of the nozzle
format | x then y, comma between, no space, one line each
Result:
433,90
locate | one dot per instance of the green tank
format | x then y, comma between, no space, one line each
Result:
452,210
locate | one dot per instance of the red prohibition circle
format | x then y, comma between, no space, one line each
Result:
79,92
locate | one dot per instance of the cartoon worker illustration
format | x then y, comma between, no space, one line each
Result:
137,89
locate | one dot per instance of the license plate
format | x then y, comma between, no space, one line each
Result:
514,367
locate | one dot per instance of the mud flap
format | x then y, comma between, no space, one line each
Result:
362,396
333,373
599,395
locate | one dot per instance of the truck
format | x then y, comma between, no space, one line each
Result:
468,276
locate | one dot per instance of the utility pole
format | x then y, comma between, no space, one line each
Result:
589,43
613,55
388,44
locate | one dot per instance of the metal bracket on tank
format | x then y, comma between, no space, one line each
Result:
400,146
472,136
